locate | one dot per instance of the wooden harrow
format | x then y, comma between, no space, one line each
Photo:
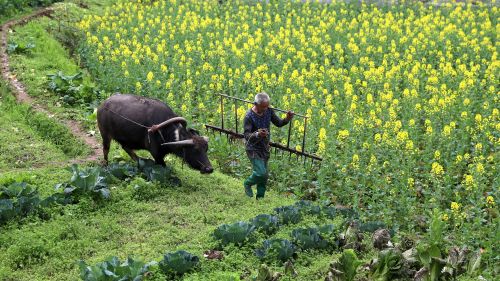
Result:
237,135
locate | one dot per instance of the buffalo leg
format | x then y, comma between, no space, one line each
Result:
106,143
158,157
131,153
159,160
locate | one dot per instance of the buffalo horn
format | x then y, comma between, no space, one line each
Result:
179,143
168,122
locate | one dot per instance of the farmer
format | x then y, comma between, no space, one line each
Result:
257,135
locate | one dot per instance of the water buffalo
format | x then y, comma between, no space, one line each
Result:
137,122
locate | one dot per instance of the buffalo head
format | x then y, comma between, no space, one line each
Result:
192,147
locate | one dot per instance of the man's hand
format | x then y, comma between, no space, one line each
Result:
262,133
289,115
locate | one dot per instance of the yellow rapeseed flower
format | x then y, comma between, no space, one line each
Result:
322,134
437,169
150,76
490,200
437,155
343,135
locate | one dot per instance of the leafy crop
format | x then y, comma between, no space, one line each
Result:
178,263
112,269
154,172
236,233
288,214
276,249
121,171
266,223
308,208
372,226
69,87
20,48
309,238
346,267
86,181
332,212
388,265
19,199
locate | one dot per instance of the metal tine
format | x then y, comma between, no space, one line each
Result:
304,137
289,133
236,114
301,153
222,110
275,145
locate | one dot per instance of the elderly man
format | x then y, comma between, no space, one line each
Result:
257,124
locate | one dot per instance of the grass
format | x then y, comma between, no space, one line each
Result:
48,57
20,145
172,218
31,139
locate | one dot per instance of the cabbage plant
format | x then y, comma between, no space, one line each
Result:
237,233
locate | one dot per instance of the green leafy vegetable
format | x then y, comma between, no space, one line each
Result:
387,266
288,214
178,263
307,207
87,181
329,212
327,229
266,223
309,238
69,87
371,226
429,252
276,249
236,233
112,269
121,171
18,200
154,172
430,257
346,267
20,48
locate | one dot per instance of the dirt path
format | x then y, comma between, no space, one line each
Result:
22,96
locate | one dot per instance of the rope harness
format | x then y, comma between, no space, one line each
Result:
151,129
